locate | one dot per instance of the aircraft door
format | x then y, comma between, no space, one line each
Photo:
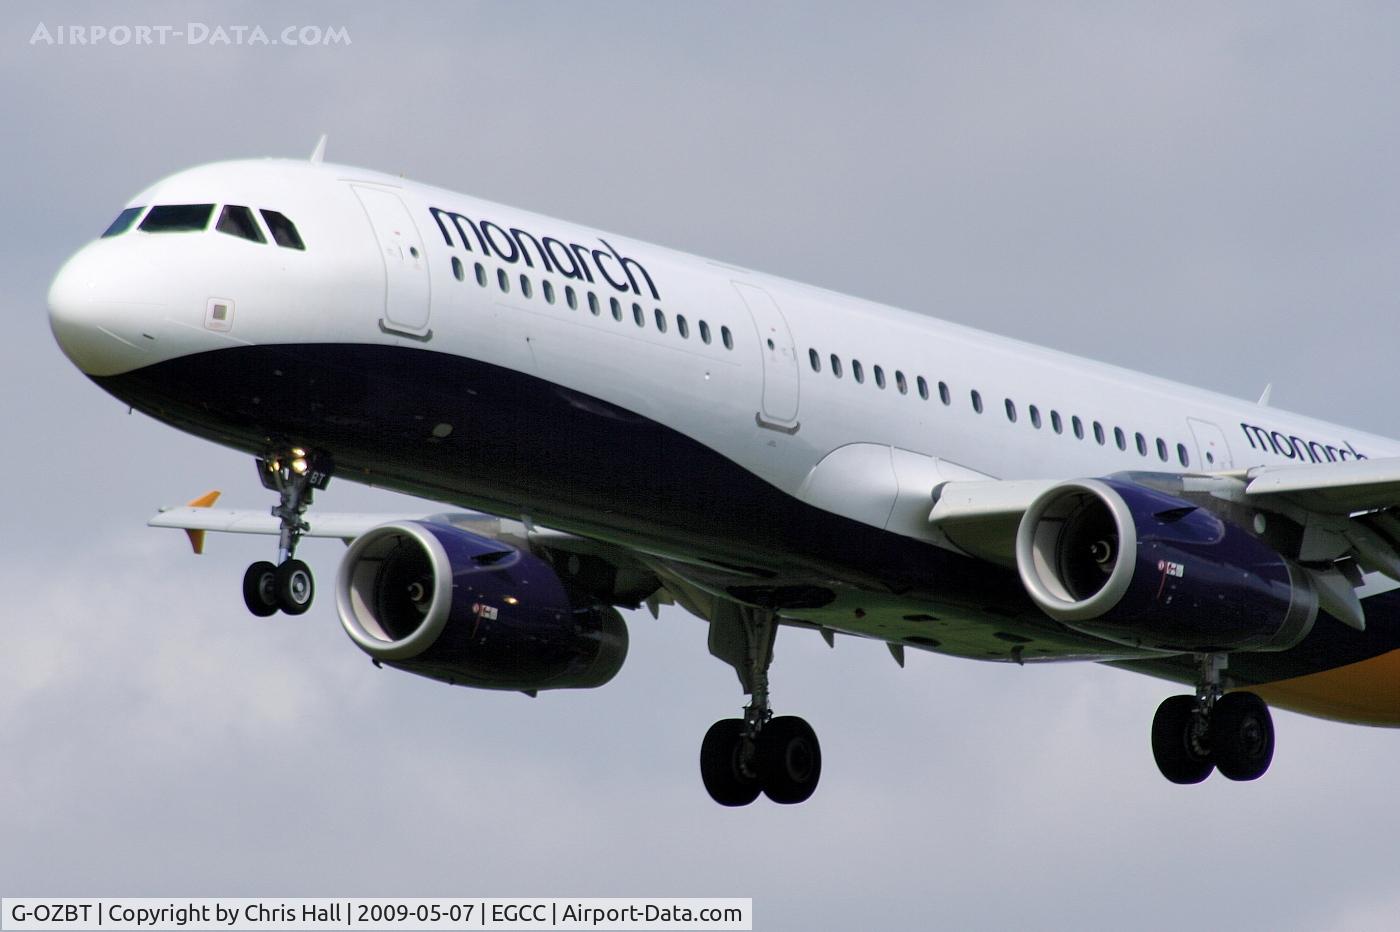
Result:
407,298
780,387
1212,452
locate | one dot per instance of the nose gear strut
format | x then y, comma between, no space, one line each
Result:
294,474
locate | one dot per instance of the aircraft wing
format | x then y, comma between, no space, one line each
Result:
1331,488
980,517
629,580
1349,514
199,516
345,526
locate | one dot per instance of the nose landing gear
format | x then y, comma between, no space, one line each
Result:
287,586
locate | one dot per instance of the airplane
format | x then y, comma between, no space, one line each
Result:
626,425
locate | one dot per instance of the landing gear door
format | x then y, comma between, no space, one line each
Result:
1212,452
779,360
407,297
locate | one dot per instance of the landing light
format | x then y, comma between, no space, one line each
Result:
511,600
298,464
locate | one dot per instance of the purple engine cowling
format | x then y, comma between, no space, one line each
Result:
1143,568
442,602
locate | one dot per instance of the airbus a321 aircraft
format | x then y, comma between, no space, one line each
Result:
630,425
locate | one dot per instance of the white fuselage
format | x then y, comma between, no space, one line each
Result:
768,409
854,409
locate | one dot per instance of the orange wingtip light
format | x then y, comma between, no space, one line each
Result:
197,537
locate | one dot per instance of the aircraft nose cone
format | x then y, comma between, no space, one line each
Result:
94,326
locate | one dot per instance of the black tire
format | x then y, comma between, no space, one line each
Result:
1176,755
789,760
260,589
720,767
295,587
1242,736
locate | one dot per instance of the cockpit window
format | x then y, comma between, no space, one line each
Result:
124,221
283,231
238,221
177,218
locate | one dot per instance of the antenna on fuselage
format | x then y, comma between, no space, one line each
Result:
1264,398
319,152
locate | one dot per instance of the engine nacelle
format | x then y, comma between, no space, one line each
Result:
444,603
1139,567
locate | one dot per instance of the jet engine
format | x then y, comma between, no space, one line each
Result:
1143,568
442,602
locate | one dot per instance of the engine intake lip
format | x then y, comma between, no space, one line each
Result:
355,590
1037,550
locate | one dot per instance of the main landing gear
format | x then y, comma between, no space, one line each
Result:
740,758
1212,730
287,585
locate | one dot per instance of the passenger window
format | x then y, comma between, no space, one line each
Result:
548,288
899,382
616,308
238,221
704,333
815,359
124,221
944,395
503,280
1057,425
1182,456
1161,449
1098,433
923,387
481,275
1141,444
1035,416
857,370
593,304
1011,410
525,286
977,401
727,337
836,365
638,315
571,297
660,321
1078,426
879,377
177,218
682,327
284,232
1119,438
459,271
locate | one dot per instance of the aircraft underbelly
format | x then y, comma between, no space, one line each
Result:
475,435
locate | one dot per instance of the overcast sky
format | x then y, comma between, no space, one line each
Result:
1206,192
